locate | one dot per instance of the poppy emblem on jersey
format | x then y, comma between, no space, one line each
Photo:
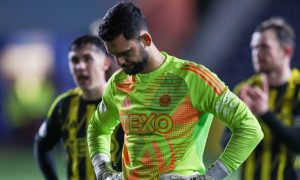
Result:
164,100
102,107
126,103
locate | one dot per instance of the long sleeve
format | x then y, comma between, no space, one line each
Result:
217,99
287,135
44,158
101,125
45,140
246,131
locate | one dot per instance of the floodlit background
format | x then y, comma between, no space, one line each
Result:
34,40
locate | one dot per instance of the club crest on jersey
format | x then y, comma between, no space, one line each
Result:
164,100
102,107
126,103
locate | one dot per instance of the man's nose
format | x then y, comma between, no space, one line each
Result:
80,65
257,52
260,54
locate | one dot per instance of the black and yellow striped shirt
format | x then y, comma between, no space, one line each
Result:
68,119
275,158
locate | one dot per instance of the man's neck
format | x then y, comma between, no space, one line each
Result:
280,77
155,60
93,94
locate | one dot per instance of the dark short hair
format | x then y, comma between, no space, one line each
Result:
80,41
124,18
284,32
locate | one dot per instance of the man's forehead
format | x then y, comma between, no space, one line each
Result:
118,45
256,37
263,37
85,50
115,51
87,47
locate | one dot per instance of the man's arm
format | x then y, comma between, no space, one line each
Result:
246,131
100,129
287,135
99,138
45,140
257,99
211,95
43,144
44,158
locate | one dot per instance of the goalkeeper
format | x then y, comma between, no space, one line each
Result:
165,106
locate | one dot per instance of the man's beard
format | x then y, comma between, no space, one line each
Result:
139,66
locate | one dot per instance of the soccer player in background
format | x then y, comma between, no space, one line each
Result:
165,106
273,95
69,114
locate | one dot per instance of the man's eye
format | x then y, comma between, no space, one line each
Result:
88,58
74,60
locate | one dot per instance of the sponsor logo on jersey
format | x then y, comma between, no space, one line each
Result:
126,103
141,123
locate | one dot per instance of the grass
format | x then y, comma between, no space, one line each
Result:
18,163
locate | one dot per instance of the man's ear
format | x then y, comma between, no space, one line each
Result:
107,63
146,39
288,51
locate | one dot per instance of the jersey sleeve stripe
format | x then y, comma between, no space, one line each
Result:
209,82
212,81
218,83
212,77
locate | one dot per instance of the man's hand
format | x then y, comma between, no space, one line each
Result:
256,98
217,171
206,177
103,168
107,173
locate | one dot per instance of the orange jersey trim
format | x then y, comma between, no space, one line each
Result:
217,85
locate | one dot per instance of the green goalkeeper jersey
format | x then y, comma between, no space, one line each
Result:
166,115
